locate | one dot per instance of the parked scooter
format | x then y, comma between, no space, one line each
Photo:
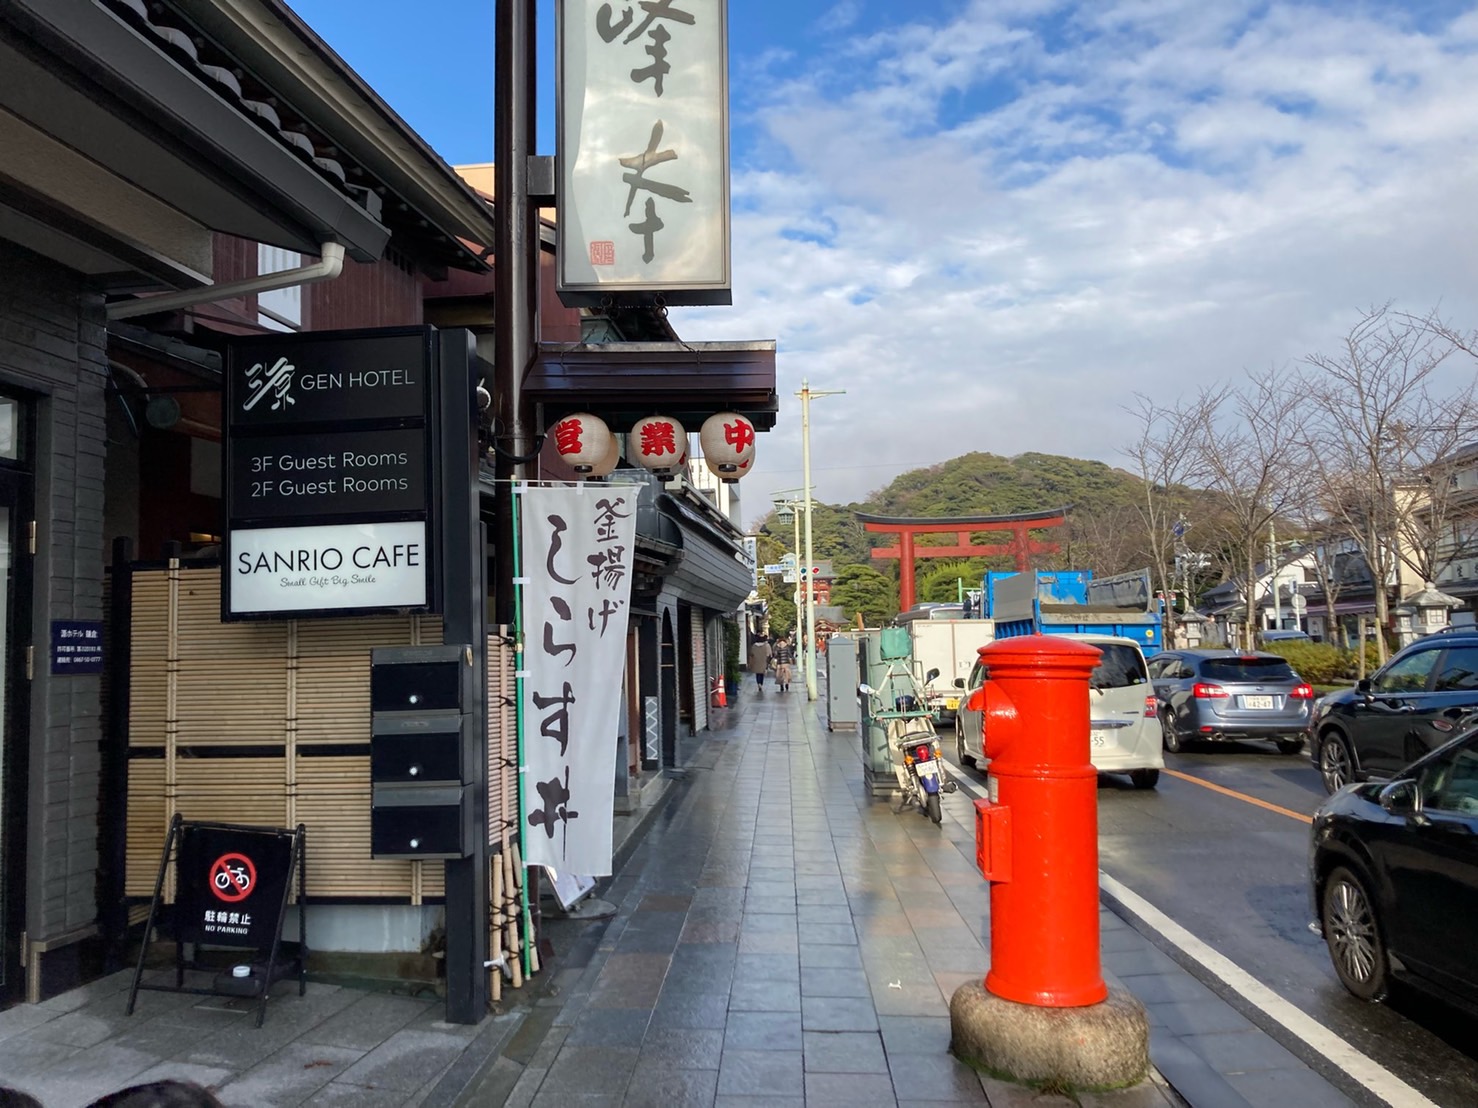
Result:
913,747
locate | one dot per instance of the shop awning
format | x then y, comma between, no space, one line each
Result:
712,571
624,381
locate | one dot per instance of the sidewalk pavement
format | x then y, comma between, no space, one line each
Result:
778,938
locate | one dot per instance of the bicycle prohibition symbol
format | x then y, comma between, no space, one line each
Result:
232,877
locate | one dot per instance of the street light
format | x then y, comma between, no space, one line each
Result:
805,394
785,512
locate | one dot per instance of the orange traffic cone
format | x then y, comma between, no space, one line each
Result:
720,698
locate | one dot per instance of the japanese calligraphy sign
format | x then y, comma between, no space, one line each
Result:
643,150
577,560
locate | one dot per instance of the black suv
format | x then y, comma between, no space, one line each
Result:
1408,707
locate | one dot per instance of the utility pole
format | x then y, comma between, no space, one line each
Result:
515,321
805,394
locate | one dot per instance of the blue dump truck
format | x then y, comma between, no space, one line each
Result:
1065,601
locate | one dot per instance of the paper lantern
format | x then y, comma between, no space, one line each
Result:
658,443
728,445
609,462
582,440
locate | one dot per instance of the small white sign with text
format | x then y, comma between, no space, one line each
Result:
346,565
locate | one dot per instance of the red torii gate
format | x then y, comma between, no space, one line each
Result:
1021,547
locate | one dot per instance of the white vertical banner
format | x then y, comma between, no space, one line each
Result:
577,557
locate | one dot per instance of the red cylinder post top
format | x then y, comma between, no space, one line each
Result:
1036,712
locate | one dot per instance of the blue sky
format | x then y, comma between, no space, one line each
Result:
992,222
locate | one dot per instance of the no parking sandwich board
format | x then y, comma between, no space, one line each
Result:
232,886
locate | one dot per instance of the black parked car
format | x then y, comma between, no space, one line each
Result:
1214,695
1393,871
1411,705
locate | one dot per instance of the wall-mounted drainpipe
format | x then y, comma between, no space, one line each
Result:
329,265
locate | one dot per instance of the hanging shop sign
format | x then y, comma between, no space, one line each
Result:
333,567
643,150
329,474
577,546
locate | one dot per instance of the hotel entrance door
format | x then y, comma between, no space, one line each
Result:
16,498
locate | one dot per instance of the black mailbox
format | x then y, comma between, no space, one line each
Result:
417,751
433,822
422,752
420,679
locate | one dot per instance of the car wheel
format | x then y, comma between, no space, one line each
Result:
964,759
1144,778
1353,936
1336,766
1290,746
1170,735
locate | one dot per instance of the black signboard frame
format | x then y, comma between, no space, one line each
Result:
239,868
240,430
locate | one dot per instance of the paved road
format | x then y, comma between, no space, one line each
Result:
1235,875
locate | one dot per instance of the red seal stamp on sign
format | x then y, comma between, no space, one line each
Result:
603,252
232,877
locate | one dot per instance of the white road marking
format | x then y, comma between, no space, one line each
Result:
1368,1072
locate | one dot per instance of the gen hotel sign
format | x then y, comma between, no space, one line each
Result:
643,150
329,474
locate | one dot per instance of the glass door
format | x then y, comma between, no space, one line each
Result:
15,612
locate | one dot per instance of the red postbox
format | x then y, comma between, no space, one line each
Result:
1037,838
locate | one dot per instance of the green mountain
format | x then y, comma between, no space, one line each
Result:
985,484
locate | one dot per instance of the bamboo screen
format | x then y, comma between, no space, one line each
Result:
259,723
502,741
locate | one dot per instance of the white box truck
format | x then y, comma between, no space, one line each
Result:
950,646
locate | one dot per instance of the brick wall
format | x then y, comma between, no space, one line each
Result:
52,342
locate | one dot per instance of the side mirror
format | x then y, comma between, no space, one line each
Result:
929,677
1363,685
959,682
867,690
1398,797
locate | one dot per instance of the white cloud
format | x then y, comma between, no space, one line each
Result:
993,229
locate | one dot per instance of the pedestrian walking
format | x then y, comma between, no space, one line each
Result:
759,661
784,660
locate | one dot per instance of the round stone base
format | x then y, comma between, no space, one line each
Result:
1100,1046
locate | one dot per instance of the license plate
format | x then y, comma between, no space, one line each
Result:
952,702
1257,702
924,769
1096,739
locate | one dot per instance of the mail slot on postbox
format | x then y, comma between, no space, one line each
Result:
421,752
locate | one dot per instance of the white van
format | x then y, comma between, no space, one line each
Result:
1125,733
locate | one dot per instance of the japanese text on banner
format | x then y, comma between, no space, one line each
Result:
577,558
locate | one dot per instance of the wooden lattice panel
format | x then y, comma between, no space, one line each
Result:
333,801
232,790
222,701
200,686
148,706
502,741
148,819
